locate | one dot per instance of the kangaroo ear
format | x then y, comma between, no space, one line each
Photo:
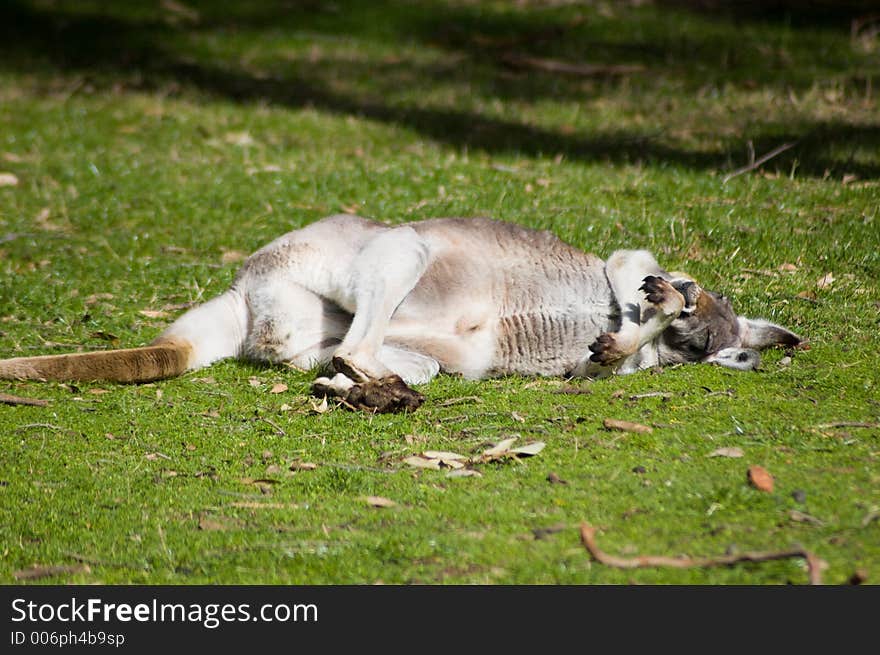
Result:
760,334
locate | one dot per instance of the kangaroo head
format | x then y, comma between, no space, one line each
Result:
708,330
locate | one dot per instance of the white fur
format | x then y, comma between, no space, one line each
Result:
474,297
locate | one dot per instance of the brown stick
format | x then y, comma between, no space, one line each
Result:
36,572
8,399
588,538
757,163
568,68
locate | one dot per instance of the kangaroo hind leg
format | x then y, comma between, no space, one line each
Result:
384,272
292,325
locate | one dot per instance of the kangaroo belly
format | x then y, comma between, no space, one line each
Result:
546,342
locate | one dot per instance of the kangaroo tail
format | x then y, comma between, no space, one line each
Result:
161,360
202,335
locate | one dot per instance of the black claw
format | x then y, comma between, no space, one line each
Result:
601,347
648,281
654,288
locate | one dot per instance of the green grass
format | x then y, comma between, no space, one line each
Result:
149,150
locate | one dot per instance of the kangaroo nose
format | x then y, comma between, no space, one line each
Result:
688,290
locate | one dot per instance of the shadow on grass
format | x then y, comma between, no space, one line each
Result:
493,53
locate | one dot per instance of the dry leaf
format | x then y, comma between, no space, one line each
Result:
501,448
232,256
98,392
303,466
239,139
727,452
422,462
263,484
860,576
259,481
95,297
379,501
464,473
760,478
43,222
443,454
254,382
268,168
278,388
224,523
802,517
154,313
447,459
8,179
787,268
825,281
180,10
105,336
320,408
626,426
529,449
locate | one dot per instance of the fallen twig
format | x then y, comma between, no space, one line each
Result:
569,68
758,162
258,505
83,559
459,401
588,538
652,394
48,426
626,426
847,424
8,399
278,430
37,572
573,391
870,516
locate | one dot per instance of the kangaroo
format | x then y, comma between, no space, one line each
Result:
383,307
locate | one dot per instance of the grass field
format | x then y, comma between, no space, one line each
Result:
145,148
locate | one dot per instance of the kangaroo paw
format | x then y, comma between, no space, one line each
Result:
606,349
661,293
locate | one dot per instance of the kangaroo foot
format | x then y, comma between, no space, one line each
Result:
383,395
